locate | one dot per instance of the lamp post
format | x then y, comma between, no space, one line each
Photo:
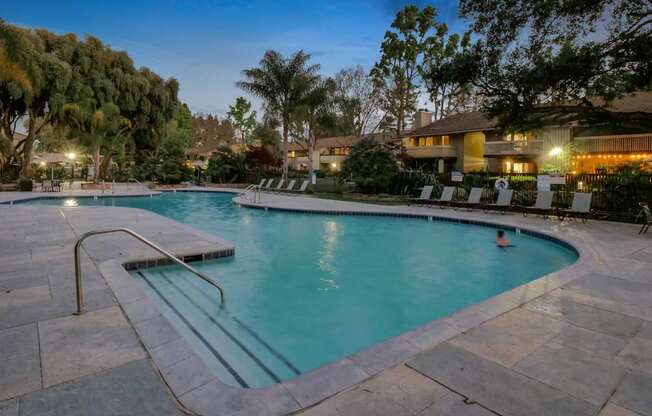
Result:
71,156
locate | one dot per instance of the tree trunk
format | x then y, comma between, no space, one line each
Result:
104,165
27,148
96,162
285,149
311,149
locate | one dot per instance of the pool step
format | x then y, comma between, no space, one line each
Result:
233,349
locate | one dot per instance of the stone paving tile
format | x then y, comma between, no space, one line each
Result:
170,353
646,330
156,331
187,375
635,393
132,389
219,399
20,366
572,371
636,271
22,282
588,317
617,290
75,346
613,410
19,375
17,341
453,404
316,385
24,297
495,387
9,408
641,311
397,391
384,355
600,345
637,354
510,337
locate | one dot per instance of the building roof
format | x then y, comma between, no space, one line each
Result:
455,123
640,101
342,141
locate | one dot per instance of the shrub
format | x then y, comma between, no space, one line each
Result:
24,185
371,166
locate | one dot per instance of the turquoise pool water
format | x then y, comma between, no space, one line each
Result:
304,290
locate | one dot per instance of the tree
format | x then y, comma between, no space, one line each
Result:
226,166
95,129
269,138
356,101
560,61
371,166
449,91
64,71
282,83
314,117
242,120
396,75
208,129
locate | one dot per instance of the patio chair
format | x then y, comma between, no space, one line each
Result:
445,198
279,185
473,200
580,208
290,186
503,203
542,206
269,183
647,221
56,184
262,182
46,186
426,193
302,189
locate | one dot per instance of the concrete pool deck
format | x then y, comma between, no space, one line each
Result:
578,341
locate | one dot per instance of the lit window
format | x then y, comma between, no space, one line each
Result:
445,140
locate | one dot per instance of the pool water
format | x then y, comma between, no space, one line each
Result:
304,290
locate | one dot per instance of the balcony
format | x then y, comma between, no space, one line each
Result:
623,143
437,151
332,159
514,148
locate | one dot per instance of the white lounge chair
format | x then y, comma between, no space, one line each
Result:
542,206
279,185
302,188
473,200
269,183
426,193
581,207
445,198
262,182
503,203
290,186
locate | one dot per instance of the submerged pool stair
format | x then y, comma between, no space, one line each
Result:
237,353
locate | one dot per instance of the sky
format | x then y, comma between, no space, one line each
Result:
206,44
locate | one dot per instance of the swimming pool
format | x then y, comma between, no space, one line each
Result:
304,290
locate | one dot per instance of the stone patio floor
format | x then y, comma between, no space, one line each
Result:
581,349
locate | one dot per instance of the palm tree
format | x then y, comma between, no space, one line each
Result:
282,83
316,113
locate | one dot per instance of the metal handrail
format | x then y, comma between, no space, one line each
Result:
255,188
78,276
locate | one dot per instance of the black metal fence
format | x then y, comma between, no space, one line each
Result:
615,196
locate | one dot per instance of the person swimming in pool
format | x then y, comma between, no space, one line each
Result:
501,240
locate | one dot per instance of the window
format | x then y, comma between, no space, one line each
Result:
445,140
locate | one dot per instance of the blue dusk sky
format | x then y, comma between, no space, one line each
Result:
206,44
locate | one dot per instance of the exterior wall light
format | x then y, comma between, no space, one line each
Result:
555,151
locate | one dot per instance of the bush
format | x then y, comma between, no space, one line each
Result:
227,166
24,185
371,166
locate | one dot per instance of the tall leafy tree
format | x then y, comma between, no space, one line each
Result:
242,119
560,61
396,74
282,83
315,116
448,90
356,101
